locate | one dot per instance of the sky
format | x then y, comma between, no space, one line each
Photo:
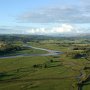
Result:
44,17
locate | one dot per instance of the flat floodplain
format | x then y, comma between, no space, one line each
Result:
65,71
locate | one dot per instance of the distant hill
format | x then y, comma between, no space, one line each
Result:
27,38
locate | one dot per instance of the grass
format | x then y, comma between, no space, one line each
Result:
42,72
53,77
51,46
22,69
87,87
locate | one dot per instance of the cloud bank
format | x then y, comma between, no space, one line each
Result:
69,14
49,30
62,29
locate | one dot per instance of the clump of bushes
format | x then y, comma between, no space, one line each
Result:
37,66
40,66
75,55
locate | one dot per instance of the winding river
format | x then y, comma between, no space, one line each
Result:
49,53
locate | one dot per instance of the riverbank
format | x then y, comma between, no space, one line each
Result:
41,52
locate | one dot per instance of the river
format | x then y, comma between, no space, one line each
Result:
49,53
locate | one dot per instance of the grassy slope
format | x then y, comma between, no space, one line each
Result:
46,78
61,74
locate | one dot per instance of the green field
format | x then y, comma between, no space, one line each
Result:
60,72
23,75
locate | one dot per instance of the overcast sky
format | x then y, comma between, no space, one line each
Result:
44,16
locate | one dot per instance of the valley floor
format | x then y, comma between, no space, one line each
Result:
58,72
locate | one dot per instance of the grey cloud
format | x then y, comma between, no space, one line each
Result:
57,15
55,29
